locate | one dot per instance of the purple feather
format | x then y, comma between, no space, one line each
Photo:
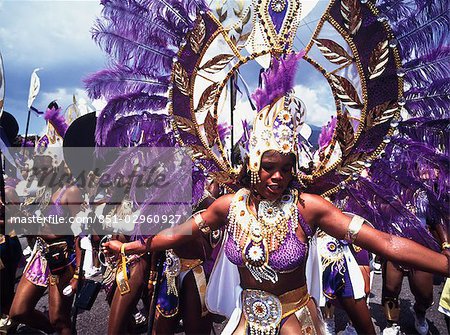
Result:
224,130
386,212
434,133
326,135
123,105
120,80
135,18
277,80
426,29
53,116
130,52
431,102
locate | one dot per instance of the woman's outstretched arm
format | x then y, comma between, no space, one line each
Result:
399,250
213,218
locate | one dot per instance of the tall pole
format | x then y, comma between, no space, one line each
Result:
26,128
232,105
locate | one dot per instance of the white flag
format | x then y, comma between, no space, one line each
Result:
35,85
2,85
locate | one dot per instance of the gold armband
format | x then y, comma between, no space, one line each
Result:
353,228
201,224
445,246
76,274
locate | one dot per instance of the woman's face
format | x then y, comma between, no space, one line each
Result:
275,174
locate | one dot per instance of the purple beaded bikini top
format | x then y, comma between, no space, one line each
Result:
56,208
291,252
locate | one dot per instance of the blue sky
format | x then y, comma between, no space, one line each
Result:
55,36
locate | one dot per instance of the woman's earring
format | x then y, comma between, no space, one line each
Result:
254,178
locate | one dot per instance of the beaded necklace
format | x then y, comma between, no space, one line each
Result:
260,235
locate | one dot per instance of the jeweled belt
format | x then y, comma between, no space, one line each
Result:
264,311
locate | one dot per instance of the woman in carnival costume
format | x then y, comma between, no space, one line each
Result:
183,65
125,277
186,300
337,272
53,263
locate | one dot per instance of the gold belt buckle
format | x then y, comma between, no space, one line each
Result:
262,310
122,283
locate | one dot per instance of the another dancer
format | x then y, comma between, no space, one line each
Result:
187,303
54,264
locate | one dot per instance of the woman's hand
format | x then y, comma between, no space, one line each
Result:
74,284
111,247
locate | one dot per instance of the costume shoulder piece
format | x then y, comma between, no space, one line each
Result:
369,90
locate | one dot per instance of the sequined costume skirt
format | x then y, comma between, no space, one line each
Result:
168,300
261,313
37,270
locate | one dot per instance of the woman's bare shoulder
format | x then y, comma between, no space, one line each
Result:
223,203
310,200
72,193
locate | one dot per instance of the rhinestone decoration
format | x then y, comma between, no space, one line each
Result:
278,5
262,310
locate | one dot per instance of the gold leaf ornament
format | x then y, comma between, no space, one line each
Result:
380,113
221,177
333,51
221,10
207,99
199,152
185,124
197,35
378,59
181,78
217,63
344,133
210,129
346,91
351,13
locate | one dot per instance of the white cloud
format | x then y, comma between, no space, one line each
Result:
64,97
44,32
319,103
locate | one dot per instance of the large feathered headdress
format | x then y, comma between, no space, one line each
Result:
387,78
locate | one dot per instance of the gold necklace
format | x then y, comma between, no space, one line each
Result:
271,224
260,235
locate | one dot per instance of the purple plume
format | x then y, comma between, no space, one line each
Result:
277,80
326,134
57,120
224,130
123,105
120,80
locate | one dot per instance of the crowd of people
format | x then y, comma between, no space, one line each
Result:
282,253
